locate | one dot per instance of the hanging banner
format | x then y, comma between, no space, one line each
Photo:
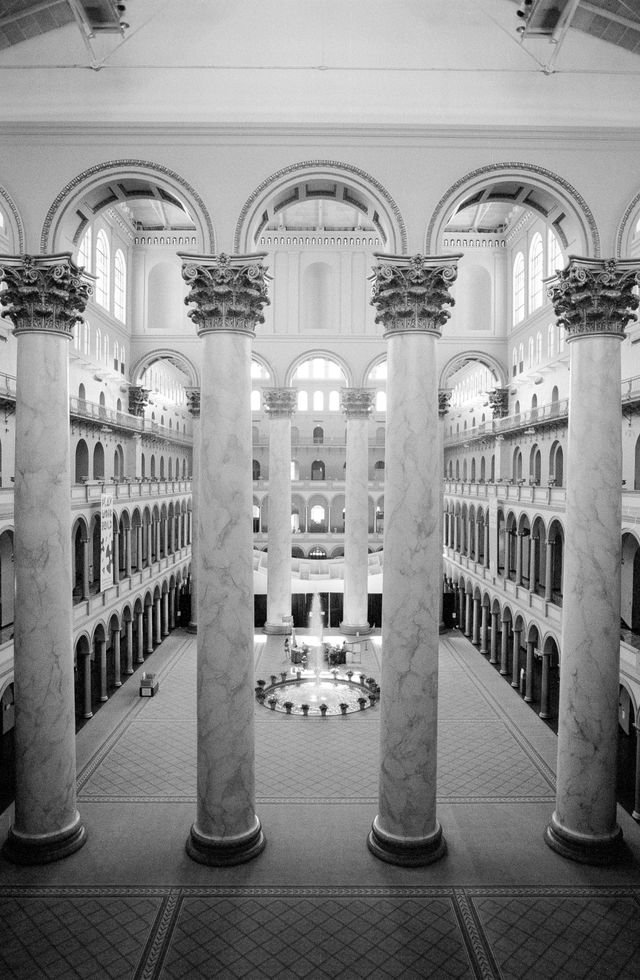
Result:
106,541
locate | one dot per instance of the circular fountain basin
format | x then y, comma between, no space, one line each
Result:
317,689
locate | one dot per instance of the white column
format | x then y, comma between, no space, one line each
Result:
357,404
280,404
504,648
484,630
515,658
44,297
593,299
409,295
193,398
228,293
115,643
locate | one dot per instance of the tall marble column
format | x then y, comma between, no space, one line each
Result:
228,293
280,404
515,657
504,647
593,300
357,404
45,296
484,629
193,401
410,295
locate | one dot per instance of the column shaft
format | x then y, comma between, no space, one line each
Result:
280,404
357,404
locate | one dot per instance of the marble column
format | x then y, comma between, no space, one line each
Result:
468,612
279,404
86,686
172,608
544,687
357,405
85,569
157,619
528,695
127,552
116,550
548,566
193,400
475,627
504,647
484,630
149,612
228,294
493,653
44,296
165,614
140,637
534,541
593,300
486,541
515,657
115,643
101,656
410,295
519,540
128,664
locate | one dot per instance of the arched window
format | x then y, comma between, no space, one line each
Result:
98,462
303,401
120,286
538,348
82,461
521,358
317,470
98,344
514,369
84,251
318,401
256,469
536,272
518,288
551,340
103,285
555,258
530,353
82,394
334,401
86,339
318,435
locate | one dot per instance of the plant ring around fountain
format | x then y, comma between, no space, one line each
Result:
315,688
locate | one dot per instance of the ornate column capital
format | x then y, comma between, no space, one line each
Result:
444,399
138,400
193,402
595,296
227,291
45,293
410,293
357,403
280,403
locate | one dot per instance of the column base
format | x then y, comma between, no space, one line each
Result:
581,847
222,853
277,629
24,849
192,628
351,629
411,852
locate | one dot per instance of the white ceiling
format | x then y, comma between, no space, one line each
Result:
321,62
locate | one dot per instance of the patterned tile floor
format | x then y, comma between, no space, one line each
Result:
316,904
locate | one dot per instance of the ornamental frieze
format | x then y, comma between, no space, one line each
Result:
595,296
357,403
228,292
46,293
280,402
413,293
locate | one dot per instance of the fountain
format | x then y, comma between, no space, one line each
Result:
316,690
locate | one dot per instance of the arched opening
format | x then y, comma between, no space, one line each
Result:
82,462
98,461
7,586
317,470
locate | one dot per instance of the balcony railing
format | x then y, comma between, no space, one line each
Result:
554,411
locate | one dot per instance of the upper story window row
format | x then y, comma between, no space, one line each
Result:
110,272
528,293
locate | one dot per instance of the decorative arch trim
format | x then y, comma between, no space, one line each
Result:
112,168
310,355
157,354
459,360
507,170
302,168
625,228
16,220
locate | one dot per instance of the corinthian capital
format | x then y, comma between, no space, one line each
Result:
595,296
193,402
412,292
228,292
280,403
357,403
43,292
444,399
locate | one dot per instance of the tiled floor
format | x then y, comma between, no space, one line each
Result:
316,903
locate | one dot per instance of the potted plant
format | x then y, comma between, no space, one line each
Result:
260,694
274,679
343,707
373,698
283,676
261,683
362,678
335,673
323,709
362,703
305,709
298,674
349,674
272,703
288,705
